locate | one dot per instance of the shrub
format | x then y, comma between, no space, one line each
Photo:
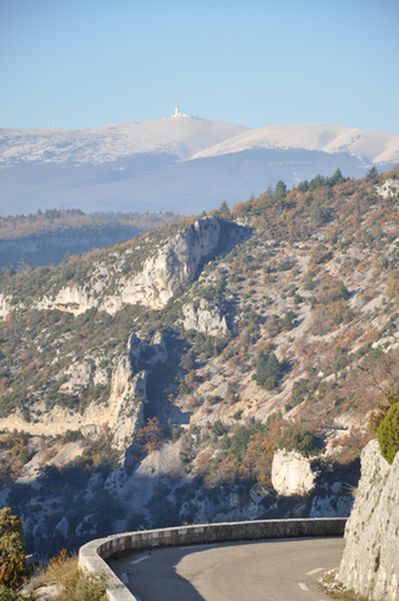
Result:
6,594
388,433
12,550
150,436
90,587
269,371
74,585
306,442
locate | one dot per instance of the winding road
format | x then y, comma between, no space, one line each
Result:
273,570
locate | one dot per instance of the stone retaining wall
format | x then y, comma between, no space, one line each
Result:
93,554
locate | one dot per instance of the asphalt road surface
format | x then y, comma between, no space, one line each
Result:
284,570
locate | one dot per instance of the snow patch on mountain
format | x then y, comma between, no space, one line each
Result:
370,146
175,135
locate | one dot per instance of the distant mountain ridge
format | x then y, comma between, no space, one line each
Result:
182,163
180,136
371,146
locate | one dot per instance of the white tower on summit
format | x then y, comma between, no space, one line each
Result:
177,114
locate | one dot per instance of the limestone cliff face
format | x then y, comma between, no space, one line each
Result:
173,266
128,393
164,273
121,413
370,562
71,299
5,308
292,473
202,316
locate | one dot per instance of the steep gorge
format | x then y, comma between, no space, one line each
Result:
161,376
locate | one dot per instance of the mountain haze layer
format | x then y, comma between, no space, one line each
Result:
181,163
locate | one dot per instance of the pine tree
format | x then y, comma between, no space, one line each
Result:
372,173
336,178
224,210
280,191
269,371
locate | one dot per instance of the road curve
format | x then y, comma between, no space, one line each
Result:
283,570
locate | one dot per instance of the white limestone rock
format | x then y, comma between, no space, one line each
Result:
389,189
175,265
5,307
79,376
121,413
292,473
370,561
163,274
202,316
70,299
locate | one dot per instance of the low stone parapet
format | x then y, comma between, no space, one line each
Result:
93,554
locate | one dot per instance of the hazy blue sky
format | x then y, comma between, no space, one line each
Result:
90,62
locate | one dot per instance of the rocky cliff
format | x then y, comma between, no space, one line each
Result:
292,473
159,377
169,267
370,562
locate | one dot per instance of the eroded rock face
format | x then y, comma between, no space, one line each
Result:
174,266
5,308
122,412
71,299
162,275
292,473
201,316
370,562
128,393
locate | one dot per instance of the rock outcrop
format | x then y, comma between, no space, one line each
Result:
122,412
164,273
292,473
202,316
174,266
71,299
389,189
5,308
370,562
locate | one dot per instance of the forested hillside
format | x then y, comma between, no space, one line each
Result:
173,378
48,237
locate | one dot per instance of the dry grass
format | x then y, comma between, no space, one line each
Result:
336,590
71,583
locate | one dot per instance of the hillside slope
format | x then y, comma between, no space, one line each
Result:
155,381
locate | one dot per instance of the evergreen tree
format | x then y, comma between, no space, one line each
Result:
388,433
336,178
224,210
269,371
280,191
372,173
303,186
